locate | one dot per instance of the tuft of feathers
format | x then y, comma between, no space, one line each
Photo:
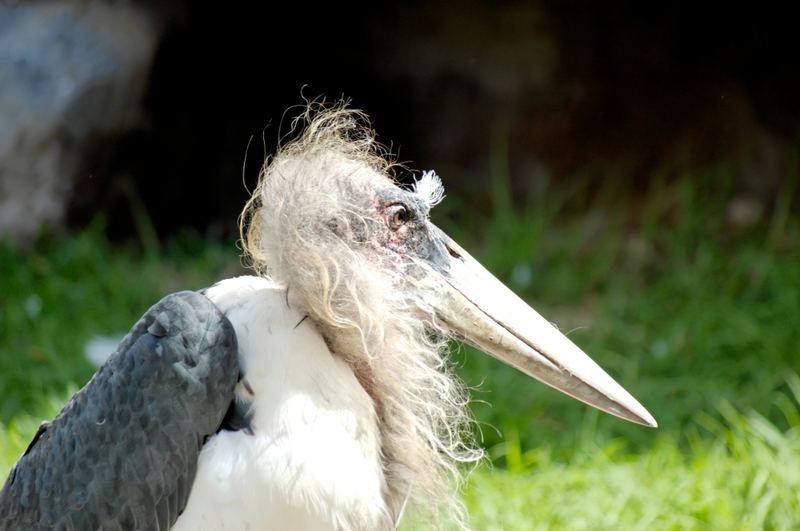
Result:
430,189
307,226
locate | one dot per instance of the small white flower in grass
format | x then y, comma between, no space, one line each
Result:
522,275
33,306
99,348
429,187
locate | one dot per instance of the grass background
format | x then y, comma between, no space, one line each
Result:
696,313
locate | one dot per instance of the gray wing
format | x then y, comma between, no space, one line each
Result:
122,454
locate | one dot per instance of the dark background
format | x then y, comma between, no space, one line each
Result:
569,89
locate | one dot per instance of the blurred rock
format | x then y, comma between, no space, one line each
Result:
73,74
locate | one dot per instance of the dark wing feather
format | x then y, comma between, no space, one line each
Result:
122,454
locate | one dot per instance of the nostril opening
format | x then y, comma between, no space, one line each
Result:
453,252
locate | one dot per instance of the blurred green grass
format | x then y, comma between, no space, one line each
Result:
741,473
693,312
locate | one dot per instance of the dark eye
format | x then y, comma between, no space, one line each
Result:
398,215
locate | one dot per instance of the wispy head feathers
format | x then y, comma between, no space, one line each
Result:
305,226
429,188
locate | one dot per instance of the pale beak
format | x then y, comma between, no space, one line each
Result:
479,309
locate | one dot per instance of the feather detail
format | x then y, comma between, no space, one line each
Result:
429,188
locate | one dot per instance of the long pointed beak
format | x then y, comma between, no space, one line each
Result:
478,308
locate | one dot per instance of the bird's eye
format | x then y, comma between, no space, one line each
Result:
398,216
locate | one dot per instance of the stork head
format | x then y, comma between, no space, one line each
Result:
346,239
360,256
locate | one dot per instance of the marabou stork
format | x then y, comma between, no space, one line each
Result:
315,395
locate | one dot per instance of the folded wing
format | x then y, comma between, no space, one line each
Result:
123,452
